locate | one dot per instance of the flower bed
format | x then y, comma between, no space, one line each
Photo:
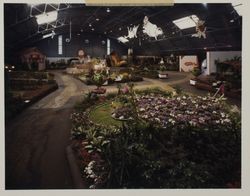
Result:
165,111
174,142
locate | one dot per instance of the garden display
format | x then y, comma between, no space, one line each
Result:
111,77
157,139
162,73
228,74
25,87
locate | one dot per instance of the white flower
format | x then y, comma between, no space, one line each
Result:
121,117
172,114
142,109
171,121
227,120
203,107
222,114
92,176
184,97
192,123
217,121
214,112
201,120
178,98
157,119
216,100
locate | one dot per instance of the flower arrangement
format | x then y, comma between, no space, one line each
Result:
178,141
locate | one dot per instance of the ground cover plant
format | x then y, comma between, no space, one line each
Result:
169,140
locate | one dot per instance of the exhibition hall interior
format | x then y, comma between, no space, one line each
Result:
122,97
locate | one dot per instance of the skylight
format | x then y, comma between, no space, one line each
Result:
186,22
238,7
46,17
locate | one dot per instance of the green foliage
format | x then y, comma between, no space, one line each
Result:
178,89
141,155
196,71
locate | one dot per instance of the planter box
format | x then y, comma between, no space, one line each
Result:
163,75
192,82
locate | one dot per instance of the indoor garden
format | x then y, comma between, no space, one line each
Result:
151,139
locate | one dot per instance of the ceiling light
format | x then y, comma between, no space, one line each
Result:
97,19
186,22
108,10
27,101
232,20
81,30
78,34
92,29
6,67
46,17
90,25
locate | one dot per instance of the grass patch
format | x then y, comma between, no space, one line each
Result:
101,114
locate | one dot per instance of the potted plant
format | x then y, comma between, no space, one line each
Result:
196,72
99,79
162,73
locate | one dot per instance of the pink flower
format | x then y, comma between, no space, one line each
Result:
125,90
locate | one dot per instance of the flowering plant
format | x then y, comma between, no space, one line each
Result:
181,141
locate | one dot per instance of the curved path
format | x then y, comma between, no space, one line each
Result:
36,140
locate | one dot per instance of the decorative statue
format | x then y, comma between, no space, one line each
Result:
116,61
151,29
132,31
122,39
82,57
200,29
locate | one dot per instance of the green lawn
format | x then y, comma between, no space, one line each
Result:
101,114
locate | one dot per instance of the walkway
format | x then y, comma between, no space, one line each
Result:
36,140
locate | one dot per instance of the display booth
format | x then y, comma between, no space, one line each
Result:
33,58
221,56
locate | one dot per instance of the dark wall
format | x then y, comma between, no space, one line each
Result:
95,47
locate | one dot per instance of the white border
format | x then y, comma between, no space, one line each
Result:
171,192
